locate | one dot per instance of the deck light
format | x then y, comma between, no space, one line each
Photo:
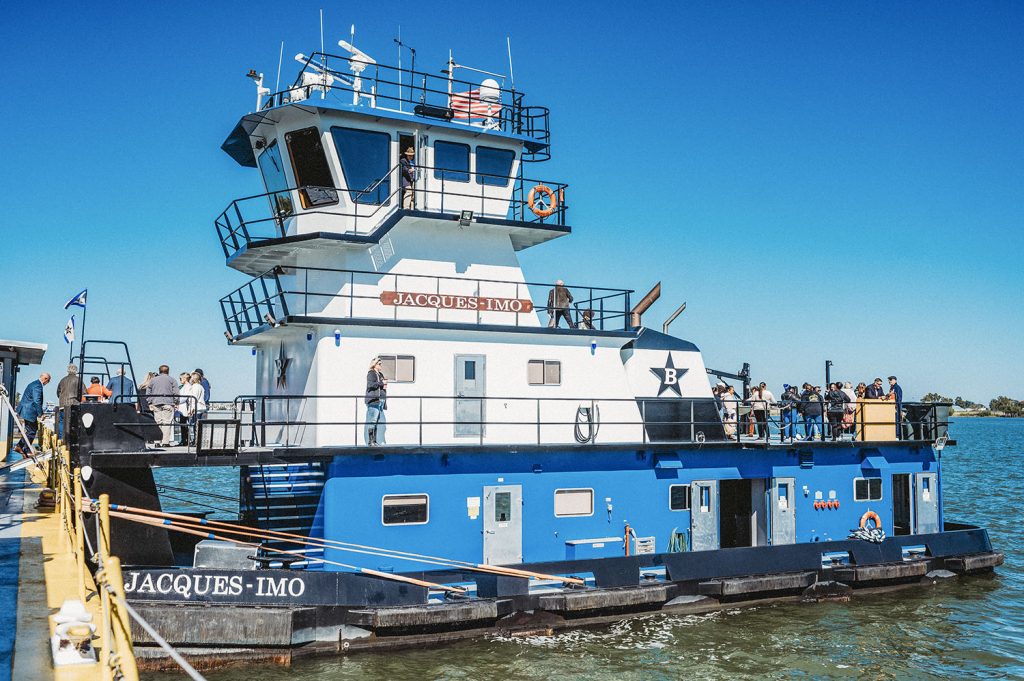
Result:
231,339
254,351
465,218
309,335
337,338
593,346
269,319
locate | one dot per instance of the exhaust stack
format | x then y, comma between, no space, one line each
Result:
645,302
668,322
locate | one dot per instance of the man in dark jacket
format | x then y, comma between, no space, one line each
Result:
376,403
837,401
30,408
559,299
789,407
69,392
407,178
896,394
875,390
813,408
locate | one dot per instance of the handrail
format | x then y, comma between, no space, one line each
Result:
233,227
117,656
245,308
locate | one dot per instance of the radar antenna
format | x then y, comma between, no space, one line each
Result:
357,63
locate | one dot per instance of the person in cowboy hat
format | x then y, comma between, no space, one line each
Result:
408,179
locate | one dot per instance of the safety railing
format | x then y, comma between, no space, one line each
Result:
359,211
363,294
297,421
116,659
861,420
355,82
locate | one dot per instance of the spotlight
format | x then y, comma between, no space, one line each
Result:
269,319
465,218
231,339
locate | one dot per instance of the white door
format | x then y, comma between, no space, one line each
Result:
783,511
503,524
704,515
470,385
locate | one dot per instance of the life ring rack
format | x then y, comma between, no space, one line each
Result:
543,200
871,515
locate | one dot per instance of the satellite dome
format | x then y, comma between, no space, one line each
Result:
490,91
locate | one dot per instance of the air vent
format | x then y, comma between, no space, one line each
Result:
807,458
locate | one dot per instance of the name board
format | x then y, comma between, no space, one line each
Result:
250,586
442,301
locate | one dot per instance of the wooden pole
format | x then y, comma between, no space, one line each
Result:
79,535
122,629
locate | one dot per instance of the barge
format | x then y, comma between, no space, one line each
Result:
515,475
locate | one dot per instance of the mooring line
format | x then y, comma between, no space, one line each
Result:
350,547
366,570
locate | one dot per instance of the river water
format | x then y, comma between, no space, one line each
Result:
966,627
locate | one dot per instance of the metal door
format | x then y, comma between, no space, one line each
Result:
503,524
926,503
704,515
783,511
469,392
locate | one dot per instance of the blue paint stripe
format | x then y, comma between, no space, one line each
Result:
10,564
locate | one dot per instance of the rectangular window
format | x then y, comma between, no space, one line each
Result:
502,507
451,161
275,181
365,160
705,498
679,497
867,489
544,372
309,163
574,502
398,368
405,509
494,166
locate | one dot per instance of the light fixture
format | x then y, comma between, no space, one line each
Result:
309,335
337,338
269,319
231,339
465,218
254,351
593,346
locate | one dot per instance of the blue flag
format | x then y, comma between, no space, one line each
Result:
78,300
69,331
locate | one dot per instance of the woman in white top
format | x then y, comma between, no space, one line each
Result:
185,408
195,390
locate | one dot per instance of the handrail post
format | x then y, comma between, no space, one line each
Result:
103,538
79,535
122,633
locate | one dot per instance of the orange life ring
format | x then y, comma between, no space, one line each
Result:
552,200
871,515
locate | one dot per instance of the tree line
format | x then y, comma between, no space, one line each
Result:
999,405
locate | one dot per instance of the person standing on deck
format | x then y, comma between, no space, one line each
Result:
162,394
789,409
185,408
205,383
407,166
121,388
68,391
95,391
811,400
376,403
896,394
30,408
875,391
761,405
730,406
837,401
559,299
197,390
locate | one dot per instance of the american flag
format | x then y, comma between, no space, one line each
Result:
468,105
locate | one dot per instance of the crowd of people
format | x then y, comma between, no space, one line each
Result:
176,404
828,413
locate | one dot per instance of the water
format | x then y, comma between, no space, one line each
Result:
968,627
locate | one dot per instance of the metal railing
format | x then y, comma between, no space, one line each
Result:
253,219
426,94
116,659
279,420
360,294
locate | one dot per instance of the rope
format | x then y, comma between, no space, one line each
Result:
344,546
875,535
160,640
185,490
593,421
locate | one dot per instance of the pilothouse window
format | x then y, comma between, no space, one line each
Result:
309,163
365,161
275,180
494,166
451,161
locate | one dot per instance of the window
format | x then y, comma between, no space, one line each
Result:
451,161
309,163
502,507
679,497
544,372
275,181
399,368
405,509
494,162
574,502
867,489
365,160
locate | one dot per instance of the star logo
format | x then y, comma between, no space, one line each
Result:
282,363
669,377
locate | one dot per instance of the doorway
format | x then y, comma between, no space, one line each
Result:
470,385
503,524
901,503
736,513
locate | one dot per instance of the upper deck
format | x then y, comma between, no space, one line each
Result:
358,83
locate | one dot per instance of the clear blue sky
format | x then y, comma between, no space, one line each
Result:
816,180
